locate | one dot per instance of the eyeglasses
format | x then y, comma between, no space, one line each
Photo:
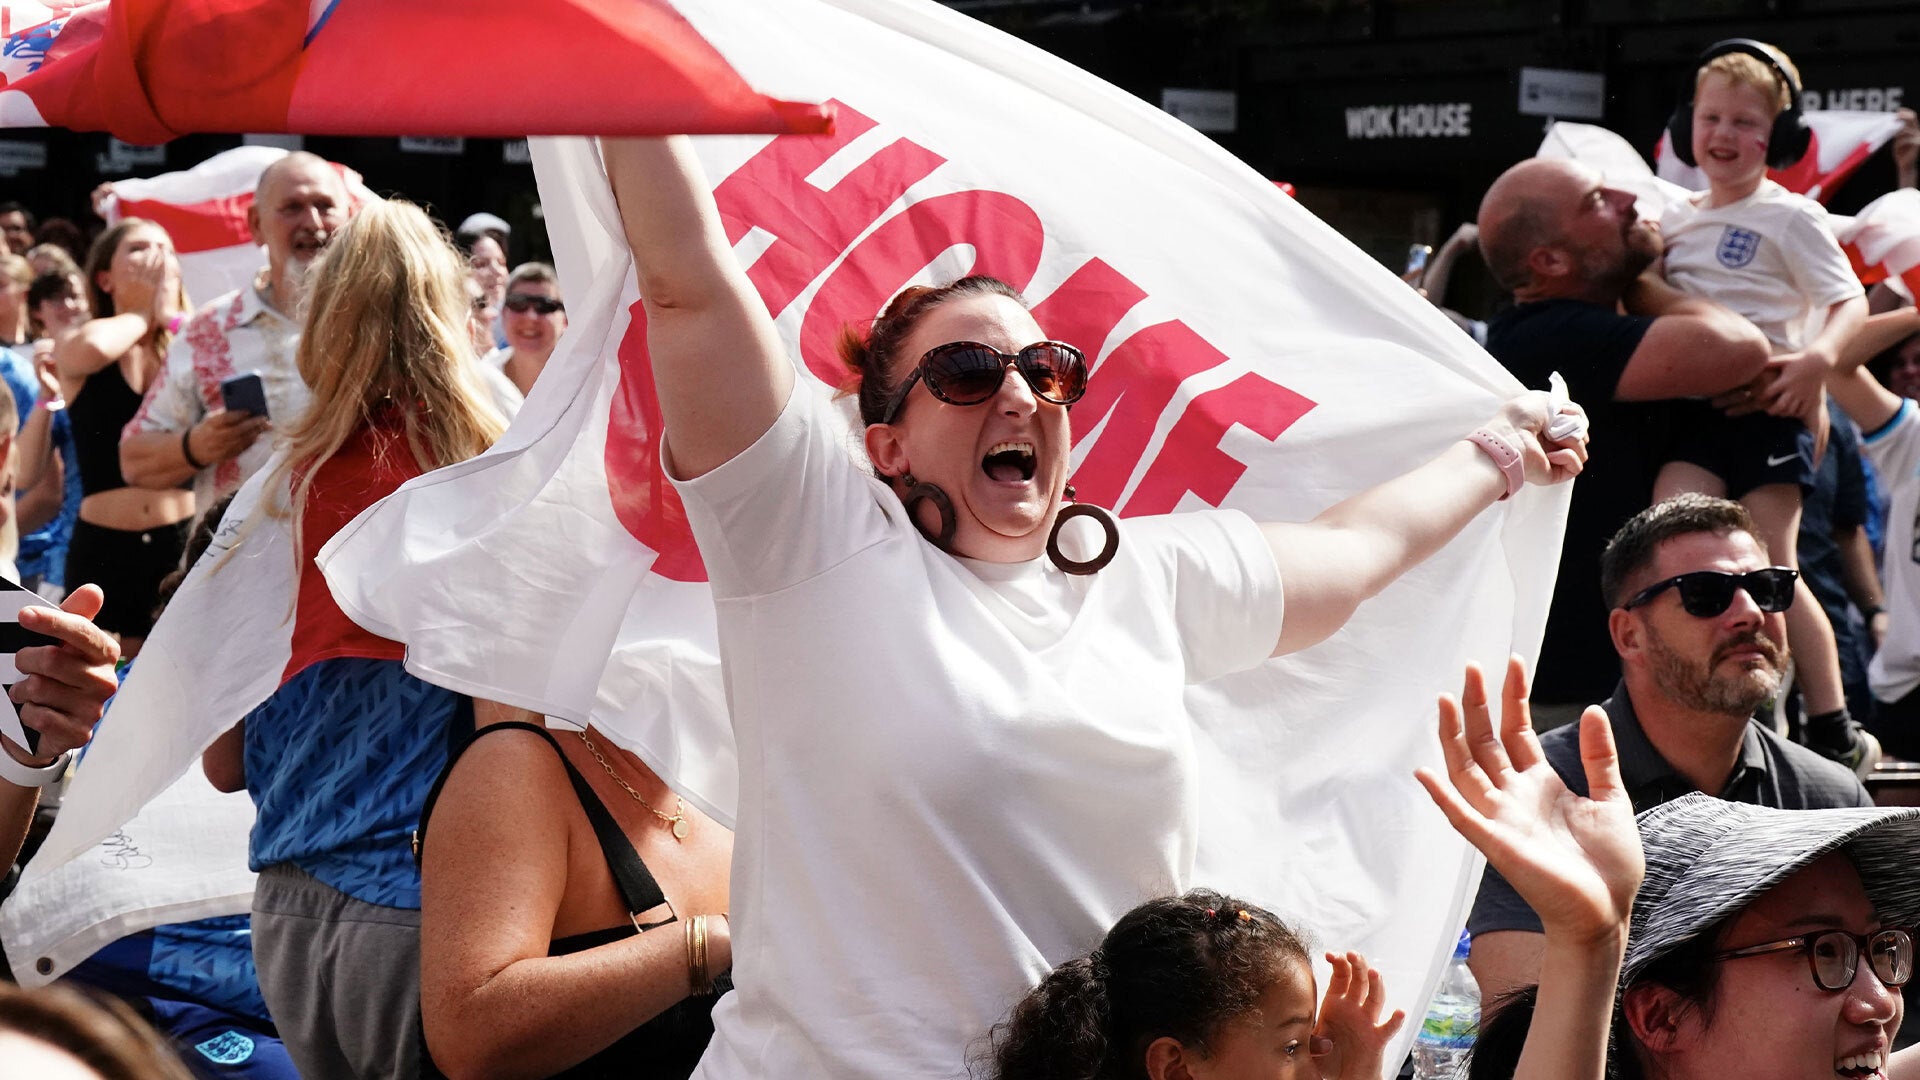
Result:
1706,593
969,373
1834,956
539,305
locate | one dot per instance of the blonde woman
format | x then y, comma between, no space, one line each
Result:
126,538
339,759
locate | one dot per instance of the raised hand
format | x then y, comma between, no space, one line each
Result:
1350,1039
1575,859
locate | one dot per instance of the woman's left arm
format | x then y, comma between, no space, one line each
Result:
1358,547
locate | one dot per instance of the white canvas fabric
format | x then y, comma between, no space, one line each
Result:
1218,305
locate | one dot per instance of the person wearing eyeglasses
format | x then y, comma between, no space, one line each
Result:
533,317
1698,620
964,746
1770,943
1760,943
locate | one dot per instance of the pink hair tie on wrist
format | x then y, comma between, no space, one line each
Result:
173,324
1504,454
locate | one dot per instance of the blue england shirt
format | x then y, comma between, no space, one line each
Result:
338,762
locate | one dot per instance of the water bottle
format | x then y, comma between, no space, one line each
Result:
1453,1018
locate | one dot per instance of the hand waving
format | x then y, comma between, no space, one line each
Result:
1576,860
1351,1040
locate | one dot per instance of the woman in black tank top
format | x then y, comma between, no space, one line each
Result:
558,893
126,538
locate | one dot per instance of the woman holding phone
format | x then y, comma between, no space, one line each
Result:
126,538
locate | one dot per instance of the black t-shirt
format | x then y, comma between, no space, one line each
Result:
1589,346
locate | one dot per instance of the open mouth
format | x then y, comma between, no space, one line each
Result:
1861,1066
1009,462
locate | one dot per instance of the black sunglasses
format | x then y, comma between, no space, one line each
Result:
1834,956
1706,593
969,373
539,305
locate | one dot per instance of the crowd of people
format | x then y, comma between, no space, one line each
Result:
566,914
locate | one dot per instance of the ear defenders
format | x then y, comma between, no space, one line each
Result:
1790,136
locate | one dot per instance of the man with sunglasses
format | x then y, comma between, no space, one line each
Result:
533,317
1697,620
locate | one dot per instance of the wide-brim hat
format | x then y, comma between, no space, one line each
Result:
1708,858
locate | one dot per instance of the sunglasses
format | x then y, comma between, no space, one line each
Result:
969,373
539,305
1706,593
1834,956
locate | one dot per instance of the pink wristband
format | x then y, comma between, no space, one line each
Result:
1504,454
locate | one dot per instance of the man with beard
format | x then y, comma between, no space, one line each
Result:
1698,621
183,429
1574,253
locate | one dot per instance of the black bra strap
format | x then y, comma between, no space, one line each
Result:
638,890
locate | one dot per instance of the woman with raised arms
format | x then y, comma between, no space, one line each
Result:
961,759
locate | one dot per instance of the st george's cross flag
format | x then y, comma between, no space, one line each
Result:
1842,141
149,70
1245,355
204,210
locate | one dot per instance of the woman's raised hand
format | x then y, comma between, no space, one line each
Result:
1576,859
1350,1038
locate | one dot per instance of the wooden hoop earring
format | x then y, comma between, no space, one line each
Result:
1107,552
917,493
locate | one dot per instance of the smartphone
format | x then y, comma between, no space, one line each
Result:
245,393
1417,256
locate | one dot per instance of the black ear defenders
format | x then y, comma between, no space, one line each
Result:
1791,135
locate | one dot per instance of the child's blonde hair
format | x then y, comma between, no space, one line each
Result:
1745,69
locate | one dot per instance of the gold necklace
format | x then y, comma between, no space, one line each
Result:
677,820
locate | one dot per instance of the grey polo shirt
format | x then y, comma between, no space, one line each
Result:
1769,772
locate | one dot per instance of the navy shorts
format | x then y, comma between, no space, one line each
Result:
1745,452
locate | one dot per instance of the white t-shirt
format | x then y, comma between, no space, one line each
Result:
946,785
234,334
1770,257
1895,453
493,376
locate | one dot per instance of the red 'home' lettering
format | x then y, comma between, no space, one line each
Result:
1087,306
812,227
1005,234
643,500
1129,390
1191,458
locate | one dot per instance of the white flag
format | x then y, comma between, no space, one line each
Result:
1245,355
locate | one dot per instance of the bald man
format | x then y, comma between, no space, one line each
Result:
1590,304
182,430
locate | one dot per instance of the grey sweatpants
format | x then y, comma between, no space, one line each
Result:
341,978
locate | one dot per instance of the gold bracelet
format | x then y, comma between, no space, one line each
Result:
693,970
698,975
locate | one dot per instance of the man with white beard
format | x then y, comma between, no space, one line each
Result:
183,428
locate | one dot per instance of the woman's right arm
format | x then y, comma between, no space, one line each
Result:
718,364
1577,861
494,870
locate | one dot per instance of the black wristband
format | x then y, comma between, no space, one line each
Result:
186,450
1827,719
